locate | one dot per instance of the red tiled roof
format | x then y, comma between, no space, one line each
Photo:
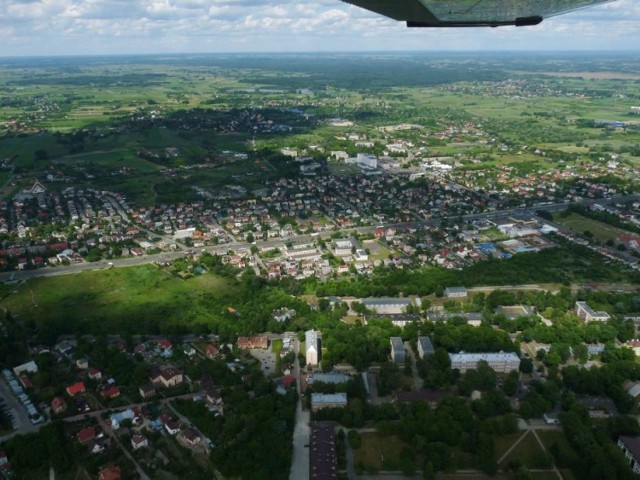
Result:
86,434
75,388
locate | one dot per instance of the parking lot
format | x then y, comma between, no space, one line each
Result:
266,358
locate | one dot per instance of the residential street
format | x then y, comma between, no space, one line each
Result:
277,243
301,432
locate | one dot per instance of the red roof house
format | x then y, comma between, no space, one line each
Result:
86,435
75,389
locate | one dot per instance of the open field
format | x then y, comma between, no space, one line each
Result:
528,451
579,224
139,299
378,451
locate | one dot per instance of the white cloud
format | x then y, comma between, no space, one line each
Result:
40,27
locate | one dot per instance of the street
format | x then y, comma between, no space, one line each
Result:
301,432
277,243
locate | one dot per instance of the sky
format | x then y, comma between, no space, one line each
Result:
99,27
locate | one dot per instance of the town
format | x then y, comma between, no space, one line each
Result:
434,276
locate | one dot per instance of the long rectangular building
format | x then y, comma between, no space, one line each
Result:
323,458
500,362
328,400
387,305
586,313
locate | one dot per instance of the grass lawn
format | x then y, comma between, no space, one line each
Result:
503,443
579,224
378,451
137,299
276,348
528,451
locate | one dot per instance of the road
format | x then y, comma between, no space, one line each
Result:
301,432
28,427
279,243
418,383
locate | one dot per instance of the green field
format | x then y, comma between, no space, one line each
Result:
135,300
528,451
378,452
579,224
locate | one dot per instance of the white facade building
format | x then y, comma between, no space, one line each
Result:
586,313
311,345
500,362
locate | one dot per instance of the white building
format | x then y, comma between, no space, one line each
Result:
184,233
387,305
586,313
500,362
328,400
455,292
397,350
631,448
364,160
425,347
312,349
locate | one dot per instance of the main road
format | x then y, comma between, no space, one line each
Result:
279,243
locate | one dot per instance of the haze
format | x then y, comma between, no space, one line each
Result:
74,27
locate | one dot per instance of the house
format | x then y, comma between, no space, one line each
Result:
397,350
95,374
111,472
117,418
111,392
634,345
312,348
29,367
189,351
58,405
147,390
166,377
75,389
96,447
139,441
455,292
82,363
213,396
86,435
172,427
190,437
211,351
631,448
425,347
328,400
165,344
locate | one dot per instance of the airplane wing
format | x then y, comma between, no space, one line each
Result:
472,13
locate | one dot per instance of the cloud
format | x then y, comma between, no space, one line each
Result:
41,27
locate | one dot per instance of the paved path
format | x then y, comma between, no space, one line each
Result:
555,469
301,432
514,445
108,430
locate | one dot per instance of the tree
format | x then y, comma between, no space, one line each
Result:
526,365
354,438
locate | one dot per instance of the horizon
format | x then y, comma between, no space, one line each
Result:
325,52
46,28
